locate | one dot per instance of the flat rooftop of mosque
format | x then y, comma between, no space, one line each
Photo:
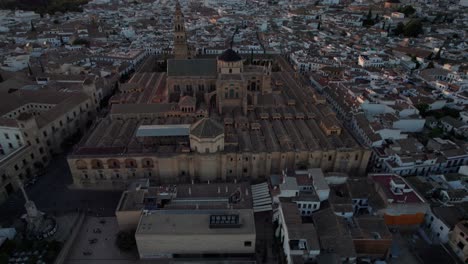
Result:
120,136
288,119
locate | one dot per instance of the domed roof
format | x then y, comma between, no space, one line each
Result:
229,55
206,128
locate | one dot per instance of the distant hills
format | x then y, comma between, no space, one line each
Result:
44,6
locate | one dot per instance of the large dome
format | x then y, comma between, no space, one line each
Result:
229,55
206,128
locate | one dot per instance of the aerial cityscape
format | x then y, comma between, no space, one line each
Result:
233,131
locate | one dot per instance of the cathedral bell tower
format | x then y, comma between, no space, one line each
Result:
181,50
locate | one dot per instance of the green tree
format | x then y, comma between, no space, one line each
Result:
407,10
8,247
125,240
4,257
81,41
368,20
413,28
251,56
399,29
415,60
422,108
436,132
369,14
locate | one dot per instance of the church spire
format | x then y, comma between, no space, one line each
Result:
178,9
180,36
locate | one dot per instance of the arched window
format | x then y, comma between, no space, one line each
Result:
130,163
113,164
253,86
231,93
147,163
96,164
81,165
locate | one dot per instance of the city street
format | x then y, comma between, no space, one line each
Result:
52,195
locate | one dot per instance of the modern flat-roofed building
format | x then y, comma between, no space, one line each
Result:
190,220
141,197
179,233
